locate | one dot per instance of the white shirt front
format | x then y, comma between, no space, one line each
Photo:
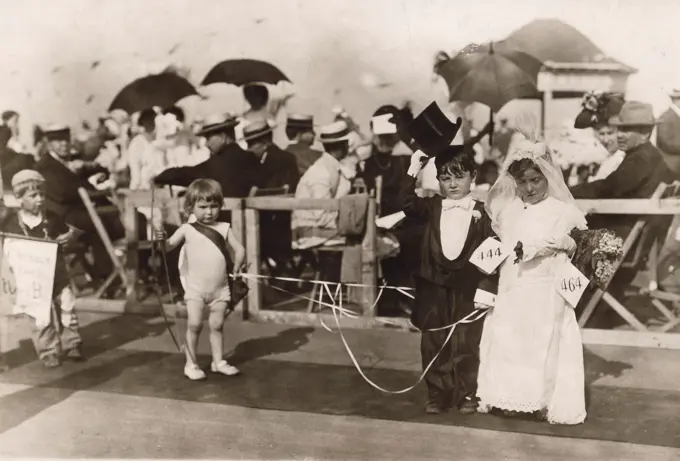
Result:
609,165
454,225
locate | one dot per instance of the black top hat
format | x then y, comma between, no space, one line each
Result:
432,130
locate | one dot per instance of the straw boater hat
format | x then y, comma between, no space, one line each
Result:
634,113
335,132
675,94
304,122
26,176
256,130
57,132
216,123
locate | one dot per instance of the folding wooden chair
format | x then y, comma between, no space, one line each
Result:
648,283
633,246
115,250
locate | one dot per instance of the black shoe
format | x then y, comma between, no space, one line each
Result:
75,354
51,361
469,405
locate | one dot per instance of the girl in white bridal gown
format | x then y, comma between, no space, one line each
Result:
531,356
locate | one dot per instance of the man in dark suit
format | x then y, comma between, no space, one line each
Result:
641,171
232,167
63,177
300,132
277,168
668,133
638,176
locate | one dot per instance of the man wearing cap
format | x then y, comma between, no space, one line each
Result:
228,164
63,178
326,178
668,133
300,132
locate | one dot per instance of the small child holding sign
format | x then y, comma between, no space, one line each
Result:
448,285
531,352
60,334
205,267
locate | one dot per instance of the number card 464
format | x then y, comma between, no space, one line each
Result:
571,283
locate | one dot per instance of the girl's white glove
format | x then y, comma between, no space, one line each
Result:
418,160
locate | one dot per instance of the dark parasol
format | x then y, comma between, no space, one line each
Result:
241,72
162,90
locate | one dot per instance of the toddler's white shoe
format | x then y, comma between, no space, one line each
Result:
224,368
193,372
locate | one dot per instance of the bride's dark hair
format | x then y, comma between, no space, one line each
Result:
517,168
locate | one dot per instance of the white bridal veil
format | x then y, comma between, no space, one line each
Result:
504,191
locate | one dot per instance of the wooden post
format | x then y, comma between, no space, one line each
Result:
239,229
368,262
132,257
252,219
5,326
546,100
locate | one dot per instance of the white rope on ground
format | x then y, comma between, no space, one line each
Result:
474,316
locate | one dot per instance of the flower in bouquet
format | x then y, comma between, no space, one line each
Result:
597,252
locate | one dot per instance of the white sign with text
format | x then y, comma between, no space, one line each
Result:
27,277
571,283
489,255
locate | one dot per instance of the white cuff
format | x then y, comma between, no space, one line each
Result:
484,297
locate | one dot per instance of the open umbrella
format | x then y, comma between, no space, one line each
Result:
492,77
162,90
240,72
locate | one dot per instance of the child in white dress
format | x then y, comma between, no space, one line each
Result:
206,275
531,356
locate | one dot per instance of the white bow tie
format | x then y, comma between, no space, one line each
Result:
463,203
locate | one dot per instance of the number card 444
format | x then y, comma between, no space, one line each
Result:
489,255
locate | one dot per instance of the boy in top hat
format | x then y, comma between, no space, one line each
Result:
60,333
300,132
448,286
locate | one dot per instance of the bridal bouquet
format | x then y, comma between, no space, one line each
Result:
596,253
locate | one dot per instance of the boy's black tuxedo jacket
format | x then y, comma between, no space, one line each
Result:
433,265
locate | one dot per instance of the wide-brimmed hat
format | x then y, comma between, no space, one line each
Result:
335,132
57,132
432,130
256,130
216,123
305,122
634,113
675,94
598,108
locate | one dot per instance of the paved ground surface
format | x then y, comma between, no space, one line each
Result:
300,398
